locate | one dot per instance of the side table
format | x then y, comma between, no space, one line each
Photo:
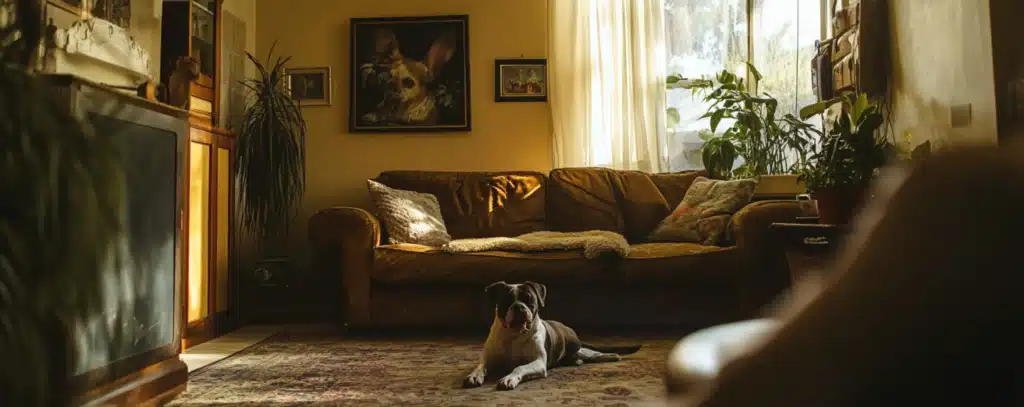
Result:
809,247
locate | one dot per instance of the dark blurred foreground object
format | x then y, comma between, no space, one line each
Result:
922,309
60,212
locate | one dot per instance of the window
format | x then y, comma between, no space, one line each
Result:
706,36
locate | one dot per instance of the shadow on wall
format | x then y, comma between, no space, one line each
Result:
926,119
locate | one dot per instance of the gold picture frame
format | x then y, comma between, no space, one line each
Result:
118,12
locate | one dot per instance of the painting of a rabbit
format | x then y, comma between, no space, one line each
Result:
410,74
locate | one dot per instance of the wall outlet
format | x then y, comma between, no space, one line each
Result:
960,116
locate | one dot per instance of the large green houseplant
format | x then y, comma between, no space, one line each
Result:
842,163
61,197
768,143
271,160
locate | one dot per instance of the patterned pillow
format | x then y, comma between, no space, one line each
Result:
409,216
705,211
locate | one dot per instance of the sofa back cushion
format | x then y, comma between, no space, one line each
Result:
581,199
480,204
631,203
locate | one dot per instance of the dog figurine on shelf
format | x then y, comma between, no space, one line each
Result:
179,92
409,95
521,346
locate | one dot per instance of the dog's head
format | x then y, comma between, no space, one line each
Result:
410,77
516,306
188,66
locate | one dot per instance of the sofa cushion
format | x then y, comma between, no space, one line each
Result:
673,186
406,263
646,199
660,263
704,214
630,203
581,199
410,217
681,263
480,204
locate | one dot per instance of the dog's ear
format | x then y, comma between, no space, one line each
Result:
440,52
494,290
540,289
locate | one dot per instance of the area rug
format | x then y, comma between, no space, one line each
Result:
304,369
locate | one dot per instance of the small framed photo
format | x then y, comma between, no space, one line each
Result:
520,80
310,86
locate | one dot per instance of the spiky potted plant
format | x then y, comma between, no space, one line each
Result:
270,160
61,194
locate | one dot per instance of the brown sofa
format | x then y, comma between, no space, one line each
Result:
658,284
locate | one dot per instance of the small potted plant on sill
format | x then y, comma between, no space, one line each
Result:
842,163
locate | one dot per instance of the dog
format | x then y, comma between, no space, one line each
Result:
523,347
186,70
409,96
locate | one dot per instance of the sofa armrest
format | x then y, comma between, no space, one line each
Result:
752,223
767,270
342,240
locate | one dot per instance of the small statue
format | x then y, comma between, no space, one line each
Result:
178,88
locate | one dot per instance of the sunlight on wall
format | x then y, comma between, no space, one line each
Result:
942,57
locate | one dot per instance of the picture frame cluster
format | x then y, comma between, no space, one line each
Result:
412,74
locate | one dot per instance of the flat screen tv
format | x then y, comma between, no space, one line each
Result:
141,321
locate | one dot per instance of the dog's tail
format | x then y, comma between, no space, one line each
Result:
620,350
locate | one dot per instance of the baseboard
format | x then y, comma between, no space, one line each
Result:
153,385
223,322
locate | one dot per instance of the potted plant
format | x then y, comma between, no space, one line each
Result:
843,161
768,144
61,194
270,165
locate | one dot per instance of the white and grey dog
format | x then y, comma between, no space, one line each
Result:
521,346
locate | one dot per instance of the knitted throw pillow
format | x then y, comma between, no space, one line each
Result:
409,216
705,211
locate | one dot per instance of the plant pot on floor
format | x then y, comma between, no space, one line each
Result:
837,205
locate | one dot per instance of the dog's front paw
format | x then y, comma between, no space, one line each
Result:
508,382
474,379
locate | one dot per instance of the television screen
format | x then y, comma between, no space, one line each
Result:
139,293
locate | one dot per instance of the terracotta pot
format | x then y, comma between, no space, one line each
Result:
838,205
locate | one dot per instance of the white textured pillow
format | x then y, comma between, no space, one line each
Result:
409,216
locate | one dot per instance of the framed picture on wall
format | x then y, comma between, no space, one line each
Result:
72,6
310,86
118,12
520,80
410,74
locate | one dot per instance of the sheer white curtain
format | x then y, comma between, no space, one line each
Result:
607,85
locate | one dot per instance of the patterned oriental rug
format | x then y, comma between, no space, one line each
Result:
303,369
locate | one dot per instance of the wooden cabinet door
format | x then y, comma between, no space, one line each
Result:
200,244
209,247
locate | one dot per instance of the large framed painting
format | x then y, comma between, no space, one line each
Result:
410,74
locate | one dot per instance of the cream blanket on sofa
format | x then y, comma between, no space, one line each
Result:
594,243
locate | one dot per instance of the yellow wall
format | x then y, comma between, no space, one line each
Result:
246,11
942,56
505,136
